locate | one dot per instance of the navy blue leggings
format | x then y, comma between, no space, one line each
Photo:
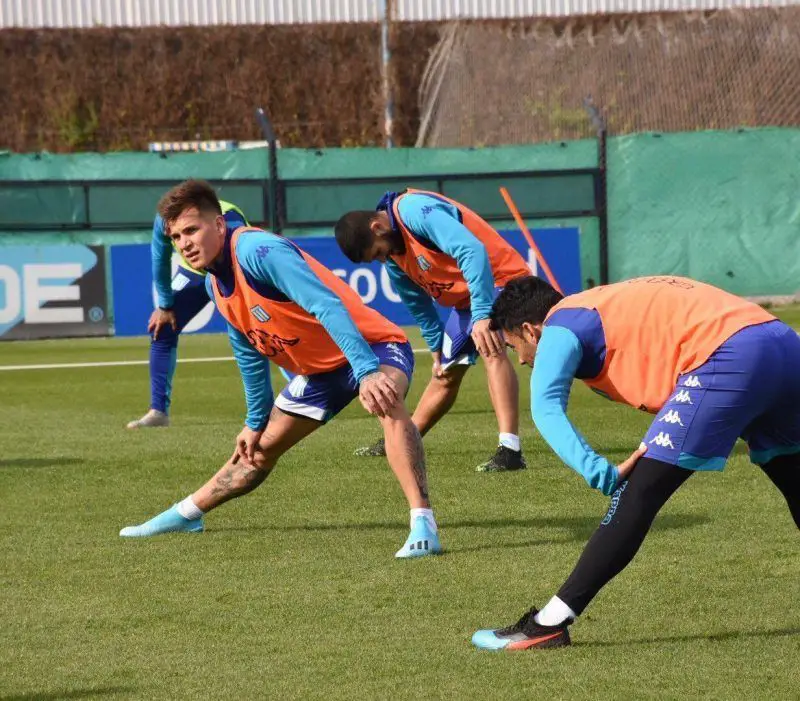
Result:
189,298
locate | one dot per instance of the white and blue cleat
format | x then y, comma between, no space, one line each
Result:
169,521
422,540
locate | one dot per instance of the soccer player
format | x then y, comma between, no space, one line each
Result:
281,304
178,303
437,249
712,367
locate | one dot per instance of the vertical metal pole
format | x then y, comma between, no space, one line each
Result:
603,197
601,184
386,10
275,207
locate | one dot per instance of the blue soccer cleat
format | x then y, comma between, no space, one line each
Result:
422,540
169,521
525,634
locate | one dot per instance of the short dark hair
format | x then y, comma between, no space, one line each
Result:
353,233
189,193
526,299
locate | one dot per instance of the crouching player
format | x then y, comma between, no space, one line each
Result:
710,366
435,248
283,305
181,297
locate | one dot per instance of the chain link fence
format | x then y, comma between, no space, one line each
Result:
507,83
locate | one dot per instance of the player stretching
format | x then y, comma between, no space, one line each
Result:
711,367
437,249
178,303
281,304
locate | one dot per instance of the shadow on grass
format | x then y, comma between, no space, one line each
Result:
578,527
706,637
39,462
74,694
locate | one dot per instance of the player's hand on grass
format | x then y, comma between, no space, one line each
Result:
378,393
487,342
625,468
159,319
246,443
436,370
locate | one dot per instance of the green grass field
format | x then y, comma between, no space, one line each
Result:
293,591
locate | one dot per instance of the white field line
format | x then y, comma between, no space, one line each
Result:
120,363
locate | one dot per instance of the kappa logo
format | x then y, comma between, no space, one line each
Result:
423,264
259,313
396,354
682,397
692,381
672,417
612,507
663,440
298,386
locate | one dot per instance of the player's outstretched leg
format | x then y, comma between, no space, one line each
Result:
504,393
236,478
634,505
406,457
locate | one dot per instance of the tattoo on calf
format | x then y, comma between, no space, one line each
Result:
416,455
236,480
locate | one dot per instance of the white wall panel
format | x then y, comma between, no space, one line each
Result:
137,13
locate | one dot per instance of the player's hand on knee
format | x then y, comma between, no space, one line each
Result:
378,393
487,341
436,370
246,444
626,467
159,319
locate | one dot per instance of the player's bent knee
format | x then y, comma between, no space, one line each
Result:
451,378
397,376
500,360
264,460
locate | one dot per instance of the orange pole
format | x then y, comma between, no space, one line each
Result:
521,224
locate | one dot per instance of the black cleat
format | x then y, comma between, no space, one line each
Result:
504,460
525,634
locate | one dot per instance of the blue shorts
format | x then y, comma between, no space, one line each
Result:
748,388
458,348
322,396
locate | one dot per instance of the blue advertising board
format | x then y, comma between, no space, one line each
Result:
52,291
134,296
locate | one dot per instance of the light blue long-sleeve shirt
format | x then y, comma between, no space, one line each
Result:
558,357
161,251
420,304
277,270
437,222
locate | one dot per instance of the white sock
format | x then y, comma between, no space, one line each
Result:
510,441
554,613
428,515
188,509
